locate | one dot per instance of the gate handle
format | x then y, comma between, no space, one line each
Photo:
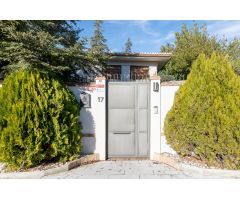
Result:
122,133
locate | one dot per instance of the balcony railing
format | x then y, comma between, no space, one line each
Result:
114,77
127,77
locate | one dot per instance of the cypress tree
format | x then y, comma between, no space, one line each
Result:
38,121
128,46
204,121
98,48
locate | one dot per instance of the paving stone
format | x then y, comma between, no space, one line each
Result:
144,169
124,176
154,176
88,176
179,176
170,172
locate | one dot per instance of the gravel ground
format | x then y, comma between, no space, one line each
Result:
1,167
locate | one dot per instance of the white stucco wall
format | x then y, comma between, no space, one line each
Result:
93,118
87,118
166,99
168,91
152,70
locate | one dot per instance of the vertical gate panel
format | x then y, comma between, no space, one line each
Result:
125,123
121,96
143,122
121,131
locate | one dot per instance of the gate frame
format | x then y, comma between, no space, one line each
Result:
154,118
149,118
101,119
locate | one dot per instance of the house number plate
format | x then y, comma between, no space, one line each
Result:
100,99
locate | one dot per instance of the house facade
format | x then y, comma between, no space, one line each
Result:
135,66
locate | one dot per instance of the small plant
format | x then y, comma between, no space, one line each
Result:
204,120
38,120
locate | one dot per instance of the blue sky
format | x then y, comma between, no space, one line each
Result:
148,36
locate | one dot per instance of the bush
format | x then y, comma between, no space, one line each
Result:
204,120
38,121
166,77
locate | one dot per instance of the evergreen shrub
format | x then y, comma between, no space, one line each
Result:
204,121
38,120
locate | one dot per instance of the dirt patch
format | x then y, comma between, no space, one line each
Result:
2,167
194,162
189,160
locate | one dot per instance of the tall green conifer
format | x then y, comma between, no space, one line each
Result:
204,121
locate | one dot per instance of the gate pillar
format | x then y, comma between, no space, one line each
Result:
154,116
100,121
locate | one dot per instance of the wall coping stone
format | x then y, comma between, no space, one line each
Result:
172,83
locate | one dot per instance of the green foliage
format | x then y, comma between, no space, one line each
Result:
52,46
128,46
165,76
189,43
99,50
168,48
38,121
204,120
233,51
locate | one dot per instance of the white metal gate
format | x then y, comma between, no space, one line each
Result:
128,119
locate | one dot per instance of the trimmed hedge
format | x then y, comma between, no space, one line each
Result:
38,121
204,121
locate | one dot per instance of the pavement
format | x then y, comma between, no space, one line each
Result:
128,169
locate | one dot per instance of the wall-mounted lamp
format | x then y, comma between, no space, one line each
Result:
155,86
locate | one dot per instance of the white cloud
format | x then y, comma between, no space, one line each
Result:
153,38
170,36
115,50
144,26
163,40
229,29
158,41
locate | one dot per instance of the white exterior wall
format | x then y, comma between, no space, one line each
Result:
152,71
154,119
166,99
87,119
93,119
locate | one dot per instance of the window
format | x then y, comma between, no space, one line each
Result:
113,72
139,72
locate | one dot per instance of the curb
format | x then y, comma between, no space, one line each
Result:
166,160
175,163
224,173
39,174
